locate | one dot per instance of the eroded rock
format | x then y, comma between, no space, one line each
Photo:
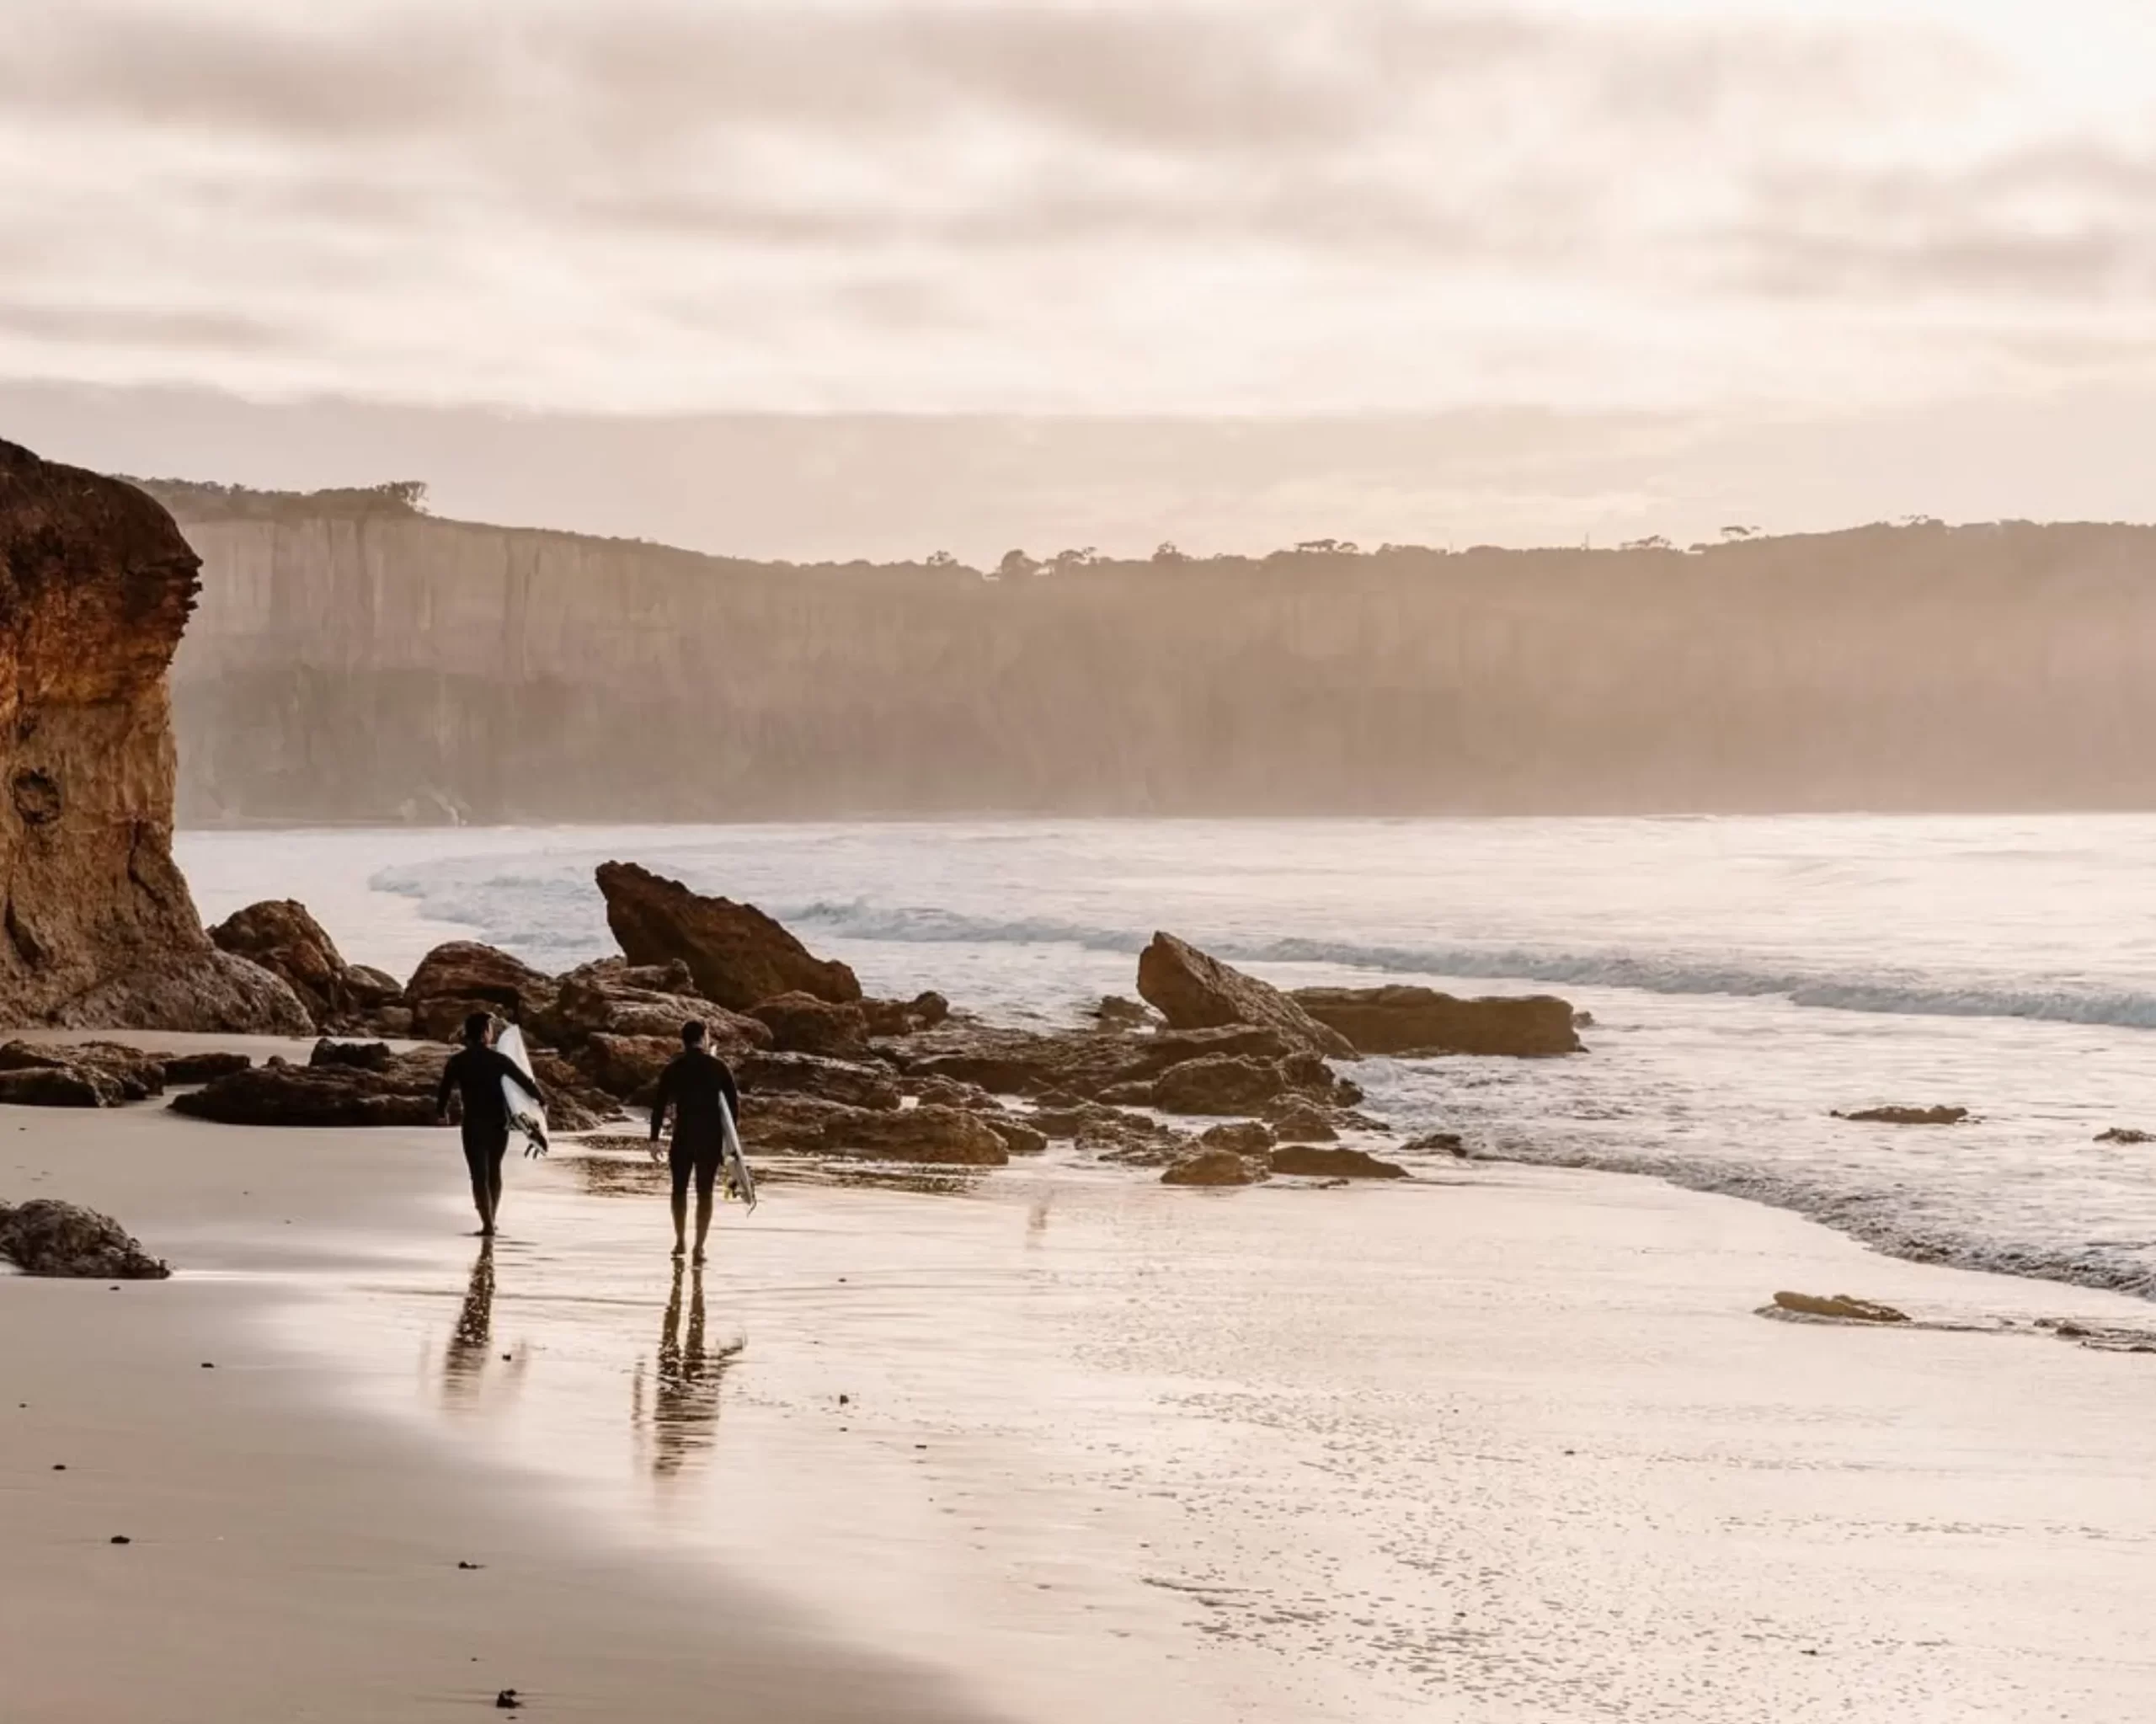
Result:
1413,1022
851,1082
1214,1167
98,928
938,1136
1906,1116
801,1023
343,1086
1840,1306
738,955
1245,1137
280,935
1194,990
460,977
46,1237
1308,1162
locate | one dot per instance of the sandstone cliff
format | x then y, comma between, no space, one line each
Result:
357,659
97,926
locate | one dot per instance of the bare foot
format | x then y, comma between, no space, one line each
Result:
698,1259
678,1249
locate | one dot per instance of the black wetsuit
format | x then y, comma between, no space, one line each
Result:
477,1072
697,1085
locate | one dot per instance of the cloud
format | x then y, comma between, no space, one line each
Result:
637,204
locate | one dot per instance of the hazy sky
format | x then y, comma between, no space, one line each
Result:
1725,216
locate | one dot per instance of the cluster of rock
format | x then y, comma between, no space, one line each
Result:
101,1074
826,1070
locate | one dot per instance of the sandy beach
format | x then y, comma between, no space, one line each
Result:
1508,1445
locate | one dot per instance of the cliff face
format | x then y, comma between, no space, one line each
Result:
97,927
379,664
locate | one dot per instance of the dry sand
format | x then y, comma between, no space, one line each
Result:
1509,1448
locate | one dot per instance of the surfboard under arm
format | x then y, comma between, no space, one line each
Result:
526,1114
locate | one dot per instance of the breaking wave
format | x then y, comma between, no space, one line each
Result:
2058,1001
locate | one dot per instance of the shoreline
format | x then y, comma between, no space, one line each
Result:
291,1557
1221,1474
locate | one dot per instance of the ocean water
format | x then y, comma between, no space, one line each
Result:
1747,977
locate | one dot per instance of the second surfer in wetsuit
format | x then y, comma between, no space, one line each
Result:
696,1085
476,1071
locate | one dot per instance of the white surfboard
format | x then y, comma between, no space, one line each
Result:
739,1182
524,1114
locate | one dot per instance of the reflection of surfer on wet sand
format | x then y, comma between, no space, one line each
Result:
474,1332
684,1408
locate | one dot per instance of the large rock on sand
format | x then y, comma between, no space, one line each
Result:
937,1136
1214,1167
46,1237
1219,1085
613,997
1413,1022
855,1083
281,936
97,927
79,1074
1839,1307
463,976
1306,1161
345,1085
801,1023
1193,990
739,956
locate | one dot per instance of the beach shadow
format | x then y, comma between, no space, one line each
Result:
681,1419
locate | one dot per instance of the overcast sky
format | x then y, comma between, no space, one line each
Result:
1709,224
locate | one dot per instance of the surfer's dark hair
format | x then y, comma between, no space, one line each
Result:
475,1026
692,1034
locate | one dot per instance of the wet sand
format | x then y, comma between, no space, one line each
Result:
288,1558
1512,1446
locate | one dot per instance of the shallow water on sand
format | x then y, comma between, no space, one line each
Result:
1748,976
1507,1446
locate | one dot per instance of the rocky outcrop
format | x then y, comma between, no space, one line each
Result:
1223,1084
280,935
46,1237
343,1084
801,1023
79,1074
905,1017
1906,1116
1306,1162
1414,1022
1019,1138
1112,1134
460,977
739,956
1295,1120
1840,1307
613,997
56,1086
1194,990
97,927
1245,1137
851,1082
1214,1167
2125,1135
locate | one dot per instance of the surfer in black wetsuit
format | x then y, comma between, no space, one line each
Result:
475,1071
696,1086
